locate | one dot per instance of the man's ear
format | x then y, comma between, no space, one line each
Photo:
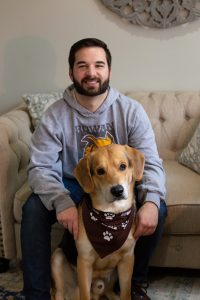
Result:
83,175
137,161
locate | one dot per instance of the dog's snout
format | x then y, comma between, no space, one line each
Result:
117,190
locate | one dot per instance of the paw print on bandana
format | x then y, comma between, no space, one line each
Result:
93,217
124,224
109,216
107,236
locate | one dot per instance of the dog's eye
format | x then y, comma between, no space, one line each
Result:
122,167
100,171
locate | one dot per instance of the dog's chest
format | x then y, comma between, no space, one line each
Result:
112,260
107,232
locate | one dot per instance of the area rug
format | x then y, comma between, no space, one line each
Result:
174,284
11,283
165,284
9,295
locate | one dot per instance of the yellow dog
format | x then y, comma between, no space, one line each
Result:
105,241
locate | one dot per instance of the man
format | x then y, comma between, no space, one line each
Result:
90,113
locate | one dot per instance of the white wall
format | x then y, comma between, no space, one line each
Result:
35,37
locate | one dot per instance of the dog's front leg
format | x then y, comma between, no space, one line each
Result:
58,266
84,270
125,271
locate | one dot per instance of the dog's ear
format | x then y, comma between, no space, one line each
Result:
83,175
137,161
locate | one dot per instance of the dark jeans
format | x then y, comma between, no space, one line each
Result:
36,245
145,247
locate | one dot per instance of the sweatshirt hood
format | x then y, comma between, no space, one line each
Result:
112,96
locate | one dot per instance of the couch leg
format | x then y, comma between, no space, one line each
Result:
4,264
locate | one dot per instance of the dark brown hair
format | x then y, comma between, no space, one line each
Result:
88,42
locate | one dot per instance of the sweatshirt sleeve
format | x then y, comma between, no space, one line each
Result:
45,167
141,136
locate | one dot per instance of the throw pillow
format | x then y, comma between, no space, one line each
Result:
38,103
190,156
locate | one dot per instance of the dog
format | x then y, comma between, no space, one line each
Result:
105,242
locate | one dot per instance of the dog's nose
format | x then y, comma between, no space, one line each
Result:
117,190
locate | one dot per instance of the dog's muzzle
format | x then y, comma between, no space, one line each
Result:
117,191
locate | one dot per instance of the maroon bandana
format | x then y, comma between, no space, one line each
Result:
106,231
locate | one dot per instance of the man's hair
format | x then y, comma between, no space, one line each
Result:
88,42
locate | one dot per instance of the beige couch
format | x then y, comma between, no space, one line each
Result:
174,117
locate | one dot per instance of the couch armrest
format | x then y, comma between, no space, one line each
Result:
15,134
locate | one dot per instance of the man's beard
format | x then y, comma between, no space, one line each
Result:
90,91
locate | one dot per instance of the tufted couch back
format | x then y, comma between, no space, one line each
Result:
174,117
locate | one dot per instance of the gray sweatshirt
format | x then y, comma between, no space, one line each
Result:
67,131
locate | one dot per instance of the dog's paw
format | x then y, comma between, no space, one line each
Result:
107,236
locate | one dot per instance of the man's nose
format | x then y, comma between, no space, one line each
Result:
91,71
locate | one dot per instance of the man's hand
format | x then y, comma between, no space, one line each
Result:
146,220
69,219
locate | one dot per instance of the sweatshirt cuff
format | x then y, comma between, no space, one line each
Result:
62,204
154,198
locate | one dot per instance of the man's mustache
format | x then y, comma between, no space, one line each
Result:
90,78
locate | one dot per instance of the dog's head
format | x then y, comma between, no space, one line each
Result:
110,172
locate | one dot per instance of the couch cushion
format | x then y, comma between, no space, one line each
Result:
190,157
183,199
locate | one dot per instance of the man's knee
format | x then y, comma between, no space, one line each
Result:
34,212
33,206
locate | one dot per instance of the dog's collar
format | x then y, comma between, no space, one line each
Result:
106,231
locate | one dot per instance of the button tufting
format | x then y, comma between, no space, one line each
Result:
162,120
187,117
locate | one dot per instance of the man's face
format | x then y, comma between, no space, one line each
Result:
90,73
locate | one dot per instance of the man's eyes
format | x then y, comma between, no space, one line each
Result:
98,66
82,66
